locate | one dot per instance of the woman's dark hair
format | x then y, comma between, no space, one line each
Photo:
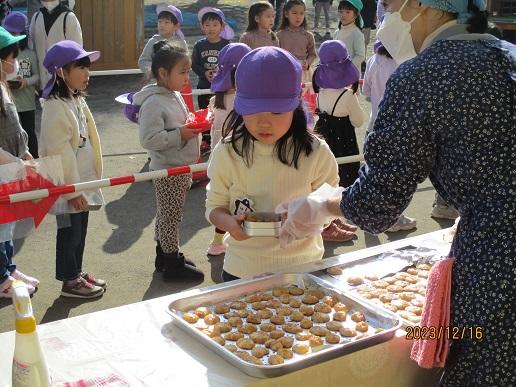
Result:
219,95
288,148
4,53
166,56
211,16
477,23
60,89
169,16
345,4
287,7
257,9
383,51
316,87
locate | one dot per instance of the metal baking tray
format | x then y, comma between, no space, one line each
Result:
376,317
268,226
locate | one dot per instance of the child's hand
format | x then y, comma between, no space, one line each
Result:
27,156
79,203
188,133
235,228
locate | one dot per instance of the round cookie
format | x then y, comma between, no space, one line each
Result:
259,337
332,338
219,340
295,303
211,319
202,311
276,334
264,313
253,298
330,300
286,353
259,305
306,310
231,347
259,351
222,327
266,296
412,270
276,292
315,341
243,313
267,327
276,360
358,317
371,277
237,305
292,328
347,332
235,321
245,343
333,325
273,304
278,320
339,316
310,299
319,331
301,349
320,317
322,307
319,293
302,336
414,309
221,308
335,270
295,291
362,326
190,318
233,336
254,318
306,323
247,328
340,307
400,304
284,311
284,298
355,280
297,316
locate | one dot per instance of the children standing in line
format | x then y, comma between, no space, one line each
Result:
170,19
163,132
259,31
68,130
221,105
23,87
336,82
267,157
378,70
205,53
13,142
349,30
294,37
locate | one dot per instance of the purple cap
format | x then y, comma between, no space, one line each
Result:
228,32
174,11
15,22
229,57
59,55
268,79
131,111
335,70
377,46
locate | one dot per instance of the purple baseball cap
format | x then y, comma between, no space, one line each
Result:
335,69
177,14
59,55
228,32
268,79
15,22
229,58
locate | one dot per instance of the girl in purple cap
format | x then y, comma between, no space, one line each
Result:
163,132
68,130
259,31
294,37
267,156
221,105
336,82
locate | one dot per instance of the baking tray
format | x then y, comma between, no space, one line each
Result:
263,228
376,317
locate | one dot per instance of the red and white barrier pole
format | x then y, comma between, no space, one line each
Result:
120,180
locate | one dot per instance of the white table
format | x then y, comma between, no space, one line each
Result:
138,344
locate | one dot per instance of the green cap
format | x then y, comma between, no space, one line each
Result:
358,6
6,39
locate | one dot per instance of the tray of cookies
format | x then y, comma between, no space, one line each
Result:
281,323
400,290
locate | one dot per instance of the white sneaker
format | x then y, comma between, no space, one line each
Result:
404,223
8,290
34,282
444,212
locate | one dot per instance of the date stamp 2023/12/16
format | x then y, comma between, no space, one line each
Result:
451,332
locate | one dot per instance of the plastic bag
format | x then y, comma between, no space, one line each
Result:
306,216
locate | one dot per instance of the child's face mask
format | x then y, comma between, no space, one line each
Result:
50,5
9,76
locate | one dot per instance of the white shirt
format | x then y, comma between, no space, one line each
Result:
354,40
348,105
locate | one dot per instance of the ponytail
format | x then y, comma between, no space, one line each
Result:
477,23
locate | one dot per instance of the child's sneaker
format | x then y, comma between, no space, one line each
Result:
444,212
81,289
94,281
34,282
216,249
334,234
344,226
6,288
404,223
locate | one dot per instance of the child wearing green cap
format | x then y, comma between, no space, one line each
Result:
349,31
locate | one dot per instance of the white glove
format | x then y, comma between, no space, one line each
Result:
307,215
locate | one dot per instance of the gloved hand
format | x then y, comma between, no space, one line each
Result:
307,215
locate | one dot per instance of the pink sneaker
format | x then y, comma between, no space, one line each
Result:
216,249
334,234
6,289
34,282
344,226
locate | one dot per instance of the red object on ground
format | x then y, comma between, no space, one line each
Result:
187,96
29,209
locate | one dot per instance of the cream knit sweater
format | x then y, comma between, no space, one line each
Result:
265,184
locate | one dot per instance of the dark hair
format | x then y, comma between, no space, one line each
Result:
383,51
4,53
477,23
24,43
169,16
166,56
345,4
287,7
219,95
60,89
211,16
316,87
257,9
288,152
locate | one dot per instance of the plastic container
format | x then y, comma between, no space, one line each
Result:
262,224
29,366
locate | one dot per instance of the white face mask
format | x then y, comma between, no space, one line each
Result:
12,76
50,5
394,33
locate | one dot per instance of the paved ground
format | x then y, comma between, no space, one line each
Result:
120,246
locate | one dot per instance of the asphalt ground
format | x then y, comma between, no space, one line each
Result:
120,245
